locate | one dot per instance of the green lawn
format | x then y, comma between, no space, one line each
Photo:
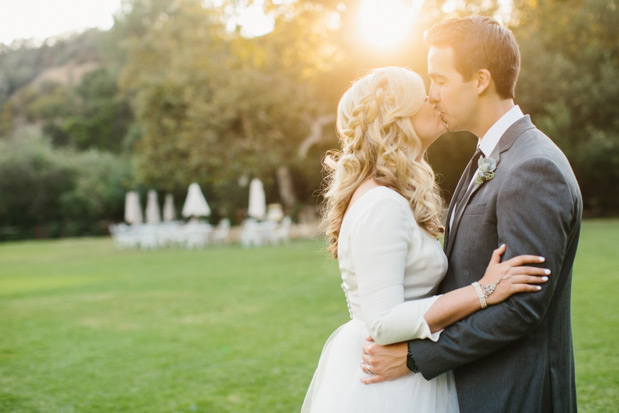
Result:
85,327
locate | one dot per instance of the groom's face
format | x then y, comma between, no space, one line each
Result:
450,93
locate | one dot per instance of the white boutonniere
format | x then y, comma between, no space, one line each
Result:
485,170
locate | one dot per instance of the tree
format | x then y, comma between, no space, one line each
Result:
100,117
44,186
31,178
212,106
569,85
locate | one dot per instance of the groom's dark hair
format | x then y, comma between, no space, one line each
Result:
480,43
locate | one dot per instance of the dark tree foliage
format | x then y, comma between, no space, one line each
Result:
570,86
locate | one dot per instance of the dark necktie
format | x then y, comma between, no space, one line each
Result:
472,167
470,170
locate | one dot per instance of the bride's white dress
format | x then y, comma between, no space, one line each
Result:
390,270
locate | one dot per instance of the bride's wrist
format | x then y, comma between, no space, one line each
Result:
480,295
483,291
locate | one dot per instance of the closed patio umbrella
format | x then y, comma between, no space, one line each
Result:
195,203
257,200
169,213
153,215
133,209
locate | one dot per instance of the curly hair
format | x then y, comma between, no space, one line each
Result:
379,142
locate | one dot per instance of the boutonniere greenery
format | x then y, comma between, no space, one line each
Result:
485,170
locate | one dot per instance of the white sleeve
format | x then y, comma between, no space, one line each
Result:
380,241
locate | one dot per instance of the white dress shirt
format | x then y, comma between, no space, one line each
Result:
493,135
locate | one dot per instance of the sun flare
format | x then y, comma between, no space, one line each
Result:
385,23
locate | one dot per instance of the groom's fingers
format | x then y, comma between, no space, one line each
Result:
375,378
366,349
364,367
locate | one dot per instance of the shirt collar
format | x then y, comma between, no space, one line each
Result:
493,135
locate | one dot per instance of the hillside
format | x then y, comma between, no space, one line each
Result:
28,72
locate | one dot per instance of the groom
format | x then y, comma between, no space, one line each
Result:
515,356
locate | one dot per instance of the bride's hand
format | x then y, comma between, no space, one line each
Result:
511,276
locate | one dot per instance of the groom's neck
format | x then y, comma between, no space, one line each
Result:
491,110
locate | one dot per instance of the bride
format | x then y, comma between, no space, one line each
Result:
382,216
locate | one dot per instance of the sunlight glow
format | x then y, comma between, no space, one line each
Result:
254,22
251,19
385,23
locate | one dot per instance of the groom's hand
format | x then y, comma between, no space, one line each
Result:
385,362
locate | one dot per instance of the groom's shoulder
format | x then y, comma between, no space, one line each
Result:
531,134
533,149
532,142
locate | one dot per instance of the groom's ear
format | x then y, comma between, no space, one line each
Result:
483,81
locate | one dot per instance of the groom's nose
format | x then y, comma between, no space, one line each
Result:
433,95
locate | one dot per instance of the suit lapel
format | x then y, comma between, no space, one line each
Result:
506,141
452,204
460,211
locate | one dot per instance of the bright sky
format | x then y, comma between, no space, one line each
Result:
40,19
383,22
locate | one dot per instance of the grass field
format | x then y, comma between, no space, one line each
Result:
85,327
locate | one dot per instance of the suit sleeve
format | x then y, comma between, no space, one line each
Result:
535,213
380,245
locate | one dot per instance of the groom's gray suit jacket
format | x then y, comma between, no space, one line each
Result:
516,356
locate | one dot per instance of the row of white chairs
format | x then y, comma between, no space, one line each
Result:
195,234
255,233
191,235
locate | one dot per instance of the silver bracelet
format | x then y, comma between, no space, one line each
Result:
480,294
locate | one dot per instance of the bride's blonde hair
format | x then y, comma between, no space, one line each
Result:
379,142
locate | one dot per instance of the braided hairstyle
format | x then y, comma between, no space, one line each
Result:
379,142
